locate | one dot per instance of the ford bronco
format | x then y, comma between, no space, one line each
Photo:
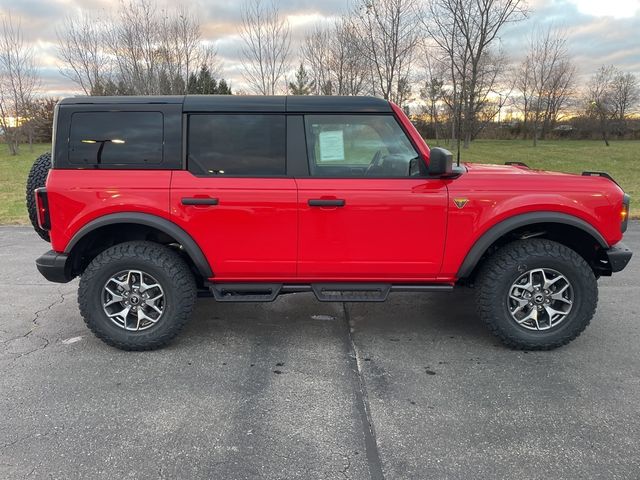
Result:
153,200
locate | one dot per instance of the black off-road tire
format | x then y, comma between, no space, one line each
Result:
36,179
506,265
166,266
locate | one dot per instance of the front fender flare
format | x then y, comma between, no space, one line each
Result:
502,228
183,238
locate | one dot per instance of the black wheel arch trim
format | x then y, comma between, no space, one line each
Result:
188,243
502,228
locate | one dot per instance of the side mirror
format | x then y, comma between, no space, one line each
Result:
440,162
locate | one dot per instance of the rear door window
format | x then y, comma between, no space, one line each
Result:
127,139
234,145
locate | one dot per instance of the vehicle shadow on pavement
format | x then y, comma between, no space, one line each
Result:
433,314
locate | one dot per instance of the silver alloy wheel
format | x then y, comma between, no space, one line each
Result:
133,300
540,299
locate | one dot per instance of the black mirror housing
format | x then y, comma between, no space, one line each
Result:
440,162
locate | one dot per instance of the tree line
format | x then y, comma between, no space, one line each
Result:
444,55
447,54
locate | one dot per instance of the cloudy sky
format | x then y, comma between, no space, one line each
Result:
600,31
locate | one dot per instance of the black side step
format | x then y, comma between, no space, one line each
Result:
245,292
324,292
351,292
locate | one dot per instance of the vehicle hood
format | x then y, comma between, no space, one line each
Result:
490,169
516,178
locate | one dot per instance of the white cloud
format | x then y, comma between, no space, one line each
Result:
610,8
600,31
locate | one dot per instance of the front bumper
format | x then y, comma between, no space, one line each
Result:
55,267
618,256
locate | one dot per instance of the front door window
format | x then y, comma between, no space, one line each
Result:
347,146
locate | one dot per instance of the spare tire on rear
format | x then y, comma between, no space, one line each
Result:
36,179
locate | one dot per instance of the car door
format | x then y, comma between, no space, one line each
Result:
367,210
235,198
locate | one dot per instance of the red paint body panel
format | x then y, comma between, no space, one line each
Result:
251,233
77,197
496,192
388,228
393,230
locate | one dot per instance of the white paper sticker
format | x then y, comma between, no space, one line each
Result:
331,145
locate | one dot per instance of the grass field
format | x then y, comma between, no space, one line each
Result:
13,176
621,160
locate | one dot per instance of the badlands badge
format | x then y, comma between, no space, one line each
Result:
460,202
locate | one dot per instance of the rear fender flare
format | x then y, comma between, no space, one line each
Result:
183,238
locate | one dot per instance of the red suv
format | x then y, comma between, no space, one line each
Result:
152,200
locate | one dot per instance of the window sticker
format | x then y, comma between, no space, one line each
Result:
331,145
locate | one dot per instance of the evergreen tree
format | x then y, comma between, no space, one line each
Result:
223,88
302,85
203,83
207,85
192,83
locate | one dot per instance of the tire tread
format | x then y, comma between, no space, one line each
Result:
181,282
513,254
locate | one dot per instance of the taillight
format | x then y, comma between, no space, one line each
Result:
42,206
624,214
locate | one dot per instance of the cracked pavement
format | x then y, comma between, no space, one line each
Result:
411,388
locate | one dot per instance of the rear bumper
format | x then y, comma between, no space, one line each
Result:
55,267
618,256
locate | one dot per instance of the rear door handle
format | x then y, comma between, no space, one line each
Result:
199,201
326,202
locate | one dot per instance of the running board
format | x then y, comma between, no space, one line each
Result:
324,292
245,292
351,292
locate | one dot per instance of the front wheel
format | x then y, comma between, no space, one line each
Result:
536,294
137,295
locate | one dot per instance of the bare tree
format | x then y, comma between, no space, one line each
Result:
135,43
266,38
389,33
626,94
433,92
545,80
18,82
316,51
466,33
333,55
81,48
610,97
137,50
600,99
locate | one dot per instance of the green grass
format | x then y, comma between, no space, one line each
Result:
13,177
621,159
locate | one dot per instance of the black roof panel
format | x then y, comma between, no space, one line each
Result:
248,103
234,103
339,104
133,99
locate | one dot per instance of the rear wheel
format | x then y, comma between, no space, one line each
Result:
137,295
536,294
36,179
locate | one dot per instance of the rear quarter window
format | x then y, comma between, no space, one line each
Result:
125,139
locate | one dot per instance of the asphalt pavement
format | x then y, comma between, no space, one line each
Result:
412,388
